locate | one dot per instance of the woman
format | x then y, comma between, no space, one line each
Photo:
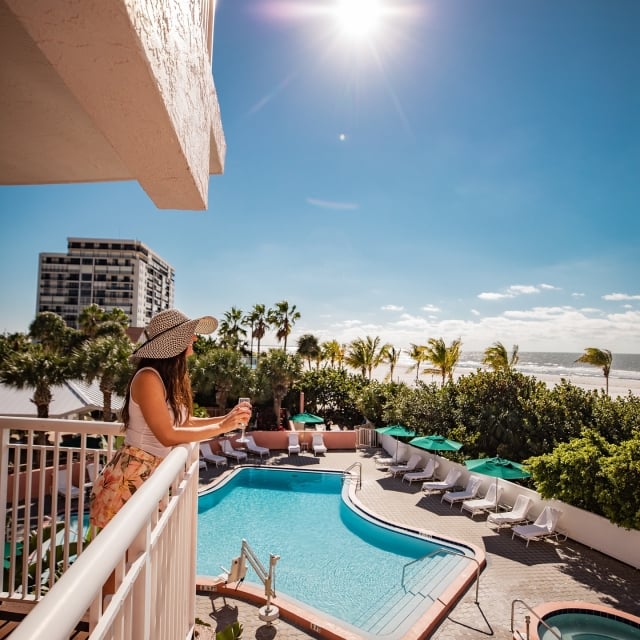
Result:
157,411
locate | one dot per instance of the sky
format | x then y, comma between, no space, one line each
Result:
464,169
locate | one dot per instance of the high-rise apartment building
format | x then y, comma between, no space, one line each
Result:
122,274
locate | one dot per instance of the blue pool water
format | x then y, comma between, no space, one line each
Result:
333,559
585,625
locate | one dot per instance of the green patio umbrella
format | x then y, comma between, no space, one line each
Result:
498,468
306,417
436,443
398,431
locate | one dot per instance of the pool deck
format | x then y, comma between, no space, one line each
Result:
545,571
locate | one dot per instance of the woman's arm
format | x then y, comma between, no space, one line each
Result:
148,391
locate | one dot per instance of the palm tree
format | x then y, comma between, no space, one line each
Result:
51,331
334,352
222,369
95,321
309,348
277,371
598,358
283,318
391,356
497,358
231,333
37,369
417,355
105,359
365,355
444,359
257,320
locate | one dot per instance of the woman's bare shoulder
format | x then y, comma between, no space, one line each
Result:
147,379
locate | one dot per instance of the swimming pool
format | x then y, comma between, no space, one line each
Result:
335,559
584,621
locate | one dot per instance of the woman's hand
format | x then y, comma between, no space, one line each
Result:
238,417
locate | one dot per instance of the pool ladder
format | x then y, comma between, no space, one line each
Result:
356,467
527,621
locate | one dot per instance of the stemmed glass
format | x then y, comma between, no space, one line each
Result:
244,426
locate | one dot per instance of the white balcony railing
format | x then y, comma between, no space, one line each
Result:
148,547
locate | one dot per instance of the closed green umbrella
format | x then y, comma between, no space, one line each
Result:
398,431
498,468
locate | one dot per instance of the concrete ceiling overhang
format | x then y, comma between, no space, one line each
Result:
106,90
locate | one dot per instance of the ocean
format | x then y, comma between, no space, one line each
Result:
625,367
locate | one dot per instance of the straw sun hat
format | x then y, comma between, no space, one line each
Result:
170,332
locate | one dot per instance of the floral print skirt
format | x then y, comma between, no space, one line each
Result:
118,481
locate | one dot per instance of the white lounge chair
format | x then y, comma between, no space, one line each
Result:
318,444
517,515
209,456
257,450
230,452
439,486
469,492
425,474
294,444
66,487
544,526
488,503
387,461
412,465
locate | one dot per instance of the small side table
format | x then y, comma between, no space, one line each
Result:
304,446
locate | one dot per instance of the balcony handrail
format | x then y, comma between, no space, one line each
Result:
56,616
141,543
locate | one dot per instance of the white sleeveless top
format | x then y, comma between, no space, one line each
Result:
138,433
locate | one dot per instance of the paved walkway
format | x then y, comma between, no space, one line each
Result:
545,571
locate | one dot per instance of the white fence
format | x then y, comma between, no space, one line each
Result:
149,547
587,528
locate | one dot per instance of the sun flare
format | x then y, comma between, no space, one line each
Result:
359,18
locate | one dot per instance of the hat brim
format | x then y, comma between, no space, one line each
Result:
173,342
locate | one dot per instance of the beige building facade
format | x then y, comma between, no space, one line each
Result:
124,274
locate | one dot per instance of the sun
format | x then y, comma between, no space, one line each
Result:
359,18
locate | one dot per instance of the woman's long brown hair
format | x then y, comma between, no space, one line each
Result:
175,375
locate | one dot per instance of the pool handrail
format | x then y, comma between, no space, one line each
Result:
352,467
450,552
527,619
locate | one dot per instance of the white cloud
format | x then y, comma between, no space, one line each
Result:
616,297
431,308
517,290
493,296
523,289
475,312
330,204
578,295
392,307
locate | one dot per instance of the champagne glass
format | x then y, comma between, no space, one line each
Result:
244,426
